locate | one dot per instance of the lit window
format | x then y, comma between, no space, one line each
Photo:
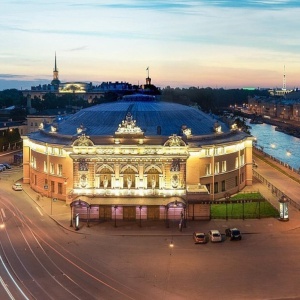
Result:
217,167
242,159
45,166
224,166
236,162
52,168
208,169
59,170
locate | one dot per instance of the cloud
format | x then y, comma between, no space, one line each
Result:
78,48
10,76
267,4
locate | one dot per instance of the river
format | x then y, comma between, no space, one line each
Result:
282,146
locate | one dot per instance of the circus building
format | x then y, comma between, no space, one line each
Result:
137,159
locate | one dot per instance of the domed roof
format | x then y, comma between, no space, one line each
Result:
153,118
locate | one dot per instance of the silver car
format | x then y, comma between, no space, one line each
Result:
17,186
215,236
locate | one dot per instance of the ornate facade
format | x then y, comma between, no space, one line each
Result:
137,159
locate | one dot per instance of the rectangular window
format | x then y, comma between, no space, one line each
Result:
206,152
217,168
59,151
236,181
216,151
208,169
242,160
236,162
208,187
45,166
60,188
51,168
223,186
33,162
52,190
59,169
224,166
216,188
242,177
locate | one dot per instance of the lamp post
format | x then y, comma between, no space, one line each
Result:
174,206
227,197
140,215
115,207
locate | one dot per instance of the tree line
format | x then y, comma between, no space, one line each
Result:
207,99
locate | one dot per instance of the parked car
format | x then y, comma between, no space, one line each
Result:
17,186
200,237
2,168
215,236
233,234
7,166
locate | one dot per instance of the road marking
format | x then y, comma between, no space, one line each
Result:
3,213
39,211
6,289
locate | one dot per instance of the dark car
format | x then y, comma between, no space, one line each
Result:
233,234
200,237
7,166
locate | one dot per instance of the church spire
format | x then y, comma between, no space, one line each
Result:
55,71
55,80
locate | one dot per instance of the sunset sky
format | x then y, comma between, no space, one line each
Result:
204,43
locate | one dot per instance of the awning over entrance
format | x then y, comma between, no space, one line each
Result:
127,201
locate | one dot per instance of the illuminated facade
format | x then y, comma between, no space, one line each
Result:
135,158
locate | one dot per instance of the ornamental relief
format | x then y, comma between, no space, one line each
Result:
83,141
125,168
105,151
100,168
175,141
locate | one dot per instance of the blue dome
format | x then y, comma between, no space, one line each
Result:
154,118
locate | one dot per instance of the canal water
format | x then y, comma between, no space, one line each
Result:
282,146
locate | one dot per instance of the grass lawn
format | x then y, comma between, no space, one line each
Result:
251,210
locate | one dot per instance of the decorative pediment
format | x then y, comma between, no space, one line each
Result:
83,140
175,141
128,126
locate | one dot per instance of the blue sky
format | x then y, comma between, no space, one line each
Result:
216,43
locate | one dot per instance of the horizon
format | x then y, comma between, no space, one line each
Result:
218,44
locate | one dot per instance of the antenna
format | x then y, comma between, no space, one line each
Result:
284,80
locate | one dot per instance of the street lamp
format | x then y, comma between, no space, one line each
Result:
174,206
140,215
115,207
227,198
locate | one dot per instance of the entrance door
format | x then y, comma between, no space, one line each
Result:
129,213
153,212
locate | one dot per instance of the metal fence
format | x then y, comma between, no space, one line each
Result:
275,191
